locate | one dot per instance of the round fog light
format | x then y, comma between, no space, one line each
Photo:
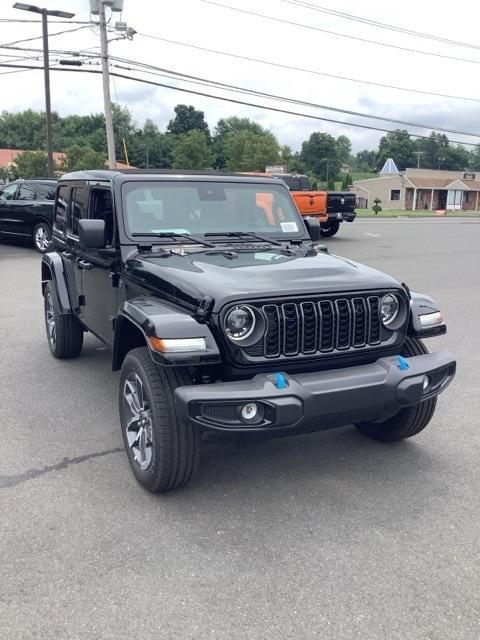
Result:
251,412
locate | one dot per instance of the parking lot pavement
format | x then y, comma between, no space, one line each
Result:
327,535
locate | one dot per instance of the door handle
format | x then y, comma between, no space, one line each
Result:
83,264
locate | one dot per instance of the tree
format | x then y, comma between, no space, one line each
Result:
152,148
192,151
319,154
234,124
432,149
24,130
344,148
83,158
455,158
399,146
247,151
347,181
365,160
31,164
186,119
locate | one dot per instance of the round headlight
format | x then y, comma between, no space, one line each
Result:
389,308
239,322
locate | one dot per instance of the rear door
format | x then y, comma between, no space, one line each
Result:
25,205
45,201
7,212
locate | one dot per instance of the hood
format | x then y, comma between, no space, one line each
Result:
265,274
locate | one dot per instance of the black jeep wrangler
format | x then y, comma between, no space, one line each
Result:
224,314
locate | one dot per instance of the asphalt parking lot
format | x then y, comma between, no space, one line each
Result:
327,535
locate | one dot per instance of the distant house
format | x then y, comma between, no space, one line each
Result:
8,157
421,189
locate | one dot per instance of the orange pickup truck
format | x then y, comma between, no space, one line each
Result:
331,207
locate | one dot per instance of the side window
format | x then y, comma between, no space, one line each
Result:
101,208
26,192
78,208
395,194
61,209
8,192
46,191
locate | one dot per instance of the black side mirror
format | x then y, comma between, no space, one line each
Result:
313,228
91,234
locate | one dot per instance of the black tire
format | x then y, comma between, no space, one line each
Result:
408,421
168,451
42,237
65,335
329,228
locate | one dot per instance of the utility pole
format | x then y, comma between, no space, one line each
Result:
418,154
107,101
46,70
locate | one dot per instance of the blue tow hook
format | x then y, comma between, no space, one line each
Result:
281,381
402,363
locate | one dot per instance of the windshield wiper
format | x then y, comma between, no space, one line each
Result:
244,234
173,234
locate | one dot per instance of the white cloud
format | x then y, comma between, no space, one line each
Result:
212,27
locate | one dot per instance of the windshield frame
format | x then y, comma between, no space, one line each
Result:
257,183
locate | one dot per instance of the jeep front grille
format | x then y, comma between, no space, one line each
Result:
326,325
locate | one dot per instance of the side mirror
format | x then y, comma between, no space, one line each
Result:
91,234
313,228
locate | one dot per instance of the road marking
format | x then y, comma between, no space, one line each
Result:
372,235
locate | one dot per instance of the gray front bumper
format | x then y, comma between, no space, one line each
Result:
321,400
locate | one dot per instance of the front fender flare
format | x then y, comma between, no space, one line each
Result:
421,305
153,317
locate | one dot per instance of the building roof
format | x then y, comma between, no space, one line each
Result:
444,183
389,167
8,156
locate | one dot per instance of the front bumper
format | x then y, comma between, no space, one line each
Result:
320,400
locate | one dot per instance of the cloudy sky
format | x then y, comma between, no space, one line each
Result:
211,26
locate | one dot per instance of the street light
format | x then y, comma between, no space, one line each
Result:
46,71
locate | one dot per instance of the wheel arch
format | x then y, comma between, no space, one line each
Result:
52,270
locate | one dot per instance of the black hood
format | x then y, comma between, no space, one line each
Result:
190,277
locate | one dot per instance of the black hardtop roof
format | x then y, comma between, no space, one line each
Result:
108,175
53,180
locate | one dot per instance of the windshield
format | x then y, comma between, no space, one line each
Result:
197,208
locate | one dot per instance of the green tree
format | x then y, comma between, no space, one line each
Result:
247,151
455,158
23,130
225,126
344,148
83,159
365,160
319,154
432,149
186,119
347,181
31,164
152,148
192,151
399,146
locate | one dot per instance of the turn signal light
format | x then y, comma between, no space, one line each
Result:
177,345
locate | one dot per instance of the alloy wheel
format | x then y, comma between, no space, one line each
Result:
42,238
50,318
139,427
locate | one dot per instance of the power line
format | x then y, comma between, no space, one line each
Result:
380,25
280,65
336,33
270,96
58,33
240,102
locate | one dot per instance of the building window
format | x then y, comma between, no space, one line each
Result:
395,194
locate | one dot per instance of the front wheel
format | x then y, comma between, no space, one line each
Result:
329,228
162,450
408,421
42,236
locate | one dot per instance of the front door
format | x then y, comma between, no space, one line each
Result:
99,285
454,199
25,205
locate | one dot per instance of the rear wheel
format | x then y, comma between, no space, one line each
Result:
163,451
64,332
42,236
408,421
329,228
